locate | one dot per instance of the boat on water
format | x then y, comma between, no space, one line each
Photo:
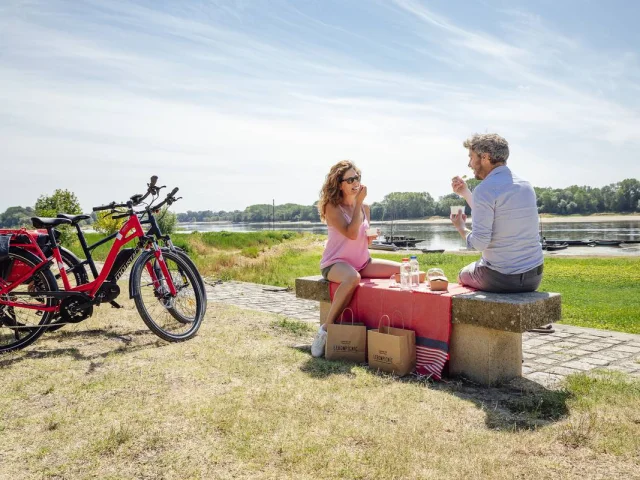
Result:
571,243
401,241
607,243
432,250
553,247
380,245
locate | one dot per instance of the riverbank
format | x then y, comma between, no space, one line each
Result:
437,220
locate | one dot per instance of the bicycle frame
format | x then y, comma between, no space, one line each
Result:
132,229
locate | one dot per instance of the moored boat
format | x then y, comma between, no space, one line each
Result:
380,245
607,243
553,247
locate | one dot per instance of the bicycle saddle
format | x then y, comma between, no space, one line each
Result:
42,222
73,218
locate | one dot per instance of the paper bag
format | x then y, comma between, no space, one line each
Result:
392,349
346,340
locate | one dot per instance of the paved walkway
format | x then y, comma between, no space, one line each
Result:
547,357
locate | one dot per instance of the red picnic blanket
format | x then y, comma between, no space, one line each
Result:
427,313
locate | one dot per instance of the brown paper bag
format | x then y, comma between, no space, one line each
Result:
392,349
346,341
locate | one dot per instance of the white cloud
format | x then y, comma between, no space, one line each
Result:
235,113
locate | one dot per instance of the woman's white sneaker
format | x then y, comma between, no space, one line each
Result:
317,347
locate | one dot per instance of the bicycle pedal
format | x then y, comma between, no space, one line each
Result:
115,304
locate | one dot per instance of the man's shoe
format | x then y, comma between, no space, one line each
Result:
317,347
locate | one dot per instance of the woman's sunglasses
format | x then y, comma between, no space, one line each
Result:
350,180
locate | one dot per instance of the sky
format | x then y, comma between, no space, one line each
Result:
242,102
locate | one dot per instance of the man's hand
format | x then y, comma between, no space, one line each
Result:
459,186
458,221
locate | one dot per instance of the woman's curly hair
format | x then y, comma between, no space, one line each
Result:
331,191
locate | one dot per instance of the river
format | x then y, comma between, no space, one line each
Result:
444,236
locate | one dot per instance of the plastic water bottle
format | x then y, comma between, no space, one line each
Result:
405,275
415,272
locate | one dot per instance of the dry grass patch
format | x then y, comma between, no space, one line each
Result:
107,399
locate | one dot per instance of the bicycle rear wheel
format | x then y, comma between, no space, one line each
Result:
20,327
172,318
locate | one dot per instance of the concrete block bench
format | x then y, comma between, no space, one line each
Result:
486,335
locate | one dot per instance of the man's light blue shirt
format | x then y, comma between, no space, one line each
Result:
505,224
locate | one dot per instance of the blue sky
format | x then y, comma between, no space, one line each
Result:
241,102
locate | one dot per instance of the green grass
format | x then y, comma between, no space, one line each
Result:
107,399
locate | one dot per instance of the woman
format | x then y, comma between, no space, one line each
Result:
346,256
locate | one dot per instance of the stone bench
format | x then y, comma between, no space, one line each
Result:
486,334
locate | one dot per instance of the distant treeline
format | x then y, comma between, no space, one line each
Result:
621,197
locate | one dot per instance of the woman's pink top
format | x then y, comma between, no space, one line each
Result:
340,249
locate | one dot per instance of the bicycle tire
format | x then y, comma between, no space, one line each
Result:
195,270
43,280
155,305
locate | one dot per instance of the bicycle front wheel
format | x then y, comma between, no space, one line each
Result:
20,326
172,318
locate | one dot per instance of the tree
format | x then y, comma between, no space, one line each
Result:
105,223
62,201
167,220
15,217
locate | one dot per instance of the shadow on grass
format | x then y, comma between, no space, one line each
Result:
75,352
517,406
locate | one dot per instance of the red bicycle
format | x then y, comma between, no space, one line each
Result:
168,293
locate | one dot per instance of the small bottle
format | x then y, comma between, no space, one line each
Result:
415,272
405,275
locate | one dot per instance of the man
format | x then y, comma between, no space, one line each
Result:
504,221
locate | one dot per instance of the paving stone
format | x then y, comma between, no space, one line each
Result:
544,378
613,354
625,348
578,365
527,355
588,337
547,360
561,356
594,347
577,351
551,348
565,344
596,361
579,340
631,366
564,371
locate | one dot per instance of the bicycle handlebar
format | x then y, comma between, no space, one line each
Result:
137,199
168,200
110,206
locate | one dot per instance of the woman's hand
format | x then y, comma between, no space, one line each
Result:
362,194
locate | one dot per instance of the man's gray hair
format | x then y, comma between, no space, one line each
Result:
490,143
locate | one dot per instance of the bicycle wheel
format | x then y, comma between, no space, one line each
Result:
77,275
172,318
19,327
194,269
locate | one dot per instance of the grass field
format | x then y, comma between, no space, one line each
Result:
596,292
107,399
